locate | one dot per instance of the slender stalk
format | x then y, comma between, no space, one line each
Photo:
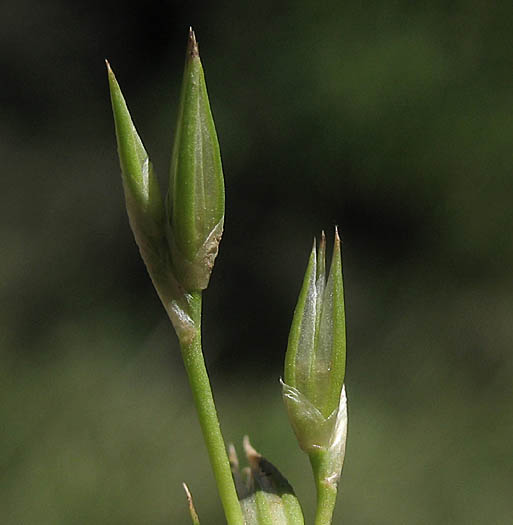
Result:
326,491
207,415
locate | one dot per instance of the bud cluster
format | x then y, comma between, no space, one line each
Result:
179,241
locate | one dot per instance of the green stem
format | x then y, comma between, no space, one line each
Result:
326,491
205,407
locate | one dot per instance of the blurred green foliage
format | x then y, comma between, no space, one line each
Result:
392,120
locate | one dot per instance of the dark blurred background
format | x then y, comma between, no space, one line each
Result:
392,120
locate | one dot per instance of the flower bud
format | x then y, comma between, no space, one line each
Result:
315,358
195,202
265,495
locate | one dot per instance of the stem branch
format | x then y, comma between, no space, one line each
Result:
326,490
203,399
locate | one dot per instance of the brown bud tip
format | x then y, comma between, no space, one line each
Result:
192,45
110,73
322,243
252,455
192,510
187,491
232,456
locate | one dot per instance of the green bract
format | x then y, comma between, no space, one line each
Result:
142,192
195,201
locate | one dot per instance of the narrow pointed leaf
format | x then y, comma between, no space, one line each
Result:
142,192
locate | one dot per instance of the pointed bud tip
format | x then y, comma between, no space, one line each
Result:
232,456
322,242
337,238
192,45
192,509
110,75
187,491
252,455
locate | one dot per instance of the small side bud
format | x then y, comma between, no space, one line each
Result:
195,201
264,494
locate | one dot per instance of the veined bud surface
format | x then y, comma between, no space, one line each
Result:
195,201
